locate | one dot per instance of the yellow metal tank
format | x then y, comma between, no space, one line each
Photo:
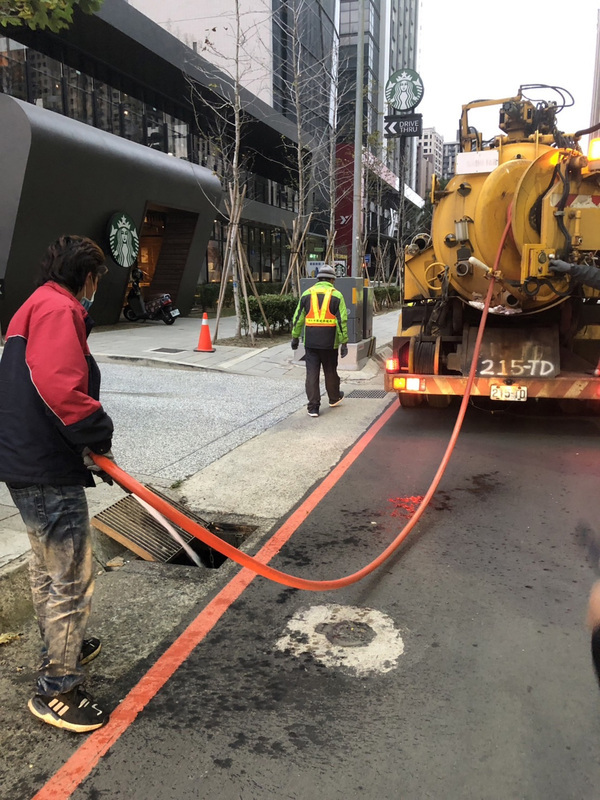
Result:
554,202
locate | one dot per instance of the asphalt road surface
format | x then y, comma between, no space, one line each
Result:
172,423
460,669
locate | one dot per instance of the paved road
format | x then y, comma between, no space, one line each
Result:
170,424
460,669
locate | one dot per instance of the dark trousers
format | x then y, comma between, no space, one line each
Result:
314,360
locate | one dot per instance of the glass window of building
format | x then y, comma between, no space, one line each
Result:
106,107
132,118
177,137
155,129
13,79
45,75
79,95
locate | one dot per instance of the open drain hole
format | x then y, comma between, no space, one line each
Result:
128,523
232,534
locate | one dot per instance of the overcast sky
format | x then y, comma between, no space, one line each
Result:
475,50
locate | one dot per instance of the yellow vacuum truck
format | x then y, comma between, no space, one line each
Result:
542,337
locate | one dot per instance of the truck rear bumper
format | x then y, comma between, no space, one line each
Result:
573,386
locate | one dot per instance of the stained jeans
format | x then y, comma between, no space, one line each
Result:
61,577
314,360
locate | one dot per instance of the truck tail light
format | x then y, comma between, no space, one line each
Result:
399,362
409,384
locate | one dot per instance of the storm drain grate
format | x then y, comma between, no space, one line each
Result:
367,394
167,350
128,523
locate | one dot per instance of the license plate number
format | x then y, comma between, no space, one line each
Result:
503,392
175,312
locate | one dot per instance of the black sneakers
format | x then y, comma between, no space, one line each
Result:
338,401
89,650
74,711
313,413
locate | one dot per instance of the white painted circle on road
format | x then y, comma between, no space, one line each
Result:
314,631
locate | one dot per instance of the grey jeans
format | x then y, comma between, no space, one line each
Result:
61,577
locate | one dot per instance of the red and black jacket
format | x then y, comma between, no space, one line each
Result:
49,393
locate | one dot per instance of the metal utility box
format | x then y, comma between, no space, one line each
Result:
352,292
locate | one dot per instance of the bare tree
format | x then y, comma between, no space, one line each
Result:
309,80
230,162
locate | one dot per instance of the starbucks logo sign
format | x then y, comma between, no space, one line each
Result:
404,89
123,239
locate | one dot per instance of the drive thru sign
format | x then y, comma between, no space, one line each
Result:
402,125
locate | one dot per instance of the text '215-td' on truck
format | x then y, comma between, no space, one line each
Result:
542,336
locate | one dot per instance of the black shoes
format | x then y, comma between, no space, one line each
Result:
74,711
338,401
89,650
313,413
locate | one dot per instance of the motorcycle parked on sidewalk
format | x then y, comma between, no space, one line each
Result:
137,308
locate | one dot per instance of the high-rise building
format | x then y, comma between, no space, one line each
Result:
390,44
284,52
450,151
432,144
288,53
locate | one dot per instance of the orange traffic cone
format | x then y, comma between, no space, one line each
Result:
204,342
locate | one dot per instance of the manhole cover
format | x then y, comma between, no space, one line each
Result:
367,394
167,350
347,633
360,641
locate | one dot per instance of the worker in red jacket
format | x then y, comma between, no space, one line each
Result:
50,419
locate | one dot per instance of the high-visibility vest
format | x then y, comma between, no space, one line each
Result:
320,317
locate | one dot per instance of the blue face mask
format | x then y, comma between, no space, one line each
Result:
86,302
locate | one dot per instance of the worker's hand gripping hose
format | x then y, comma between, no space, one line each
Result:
195,529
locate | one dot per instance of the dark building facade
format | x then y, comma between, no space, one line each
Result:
117,108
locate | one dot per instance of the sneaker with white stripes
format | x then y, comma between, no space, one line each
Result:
74,711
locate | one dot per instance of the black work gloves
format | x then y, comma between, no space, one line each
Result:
556,265
295,343
93,467
344,350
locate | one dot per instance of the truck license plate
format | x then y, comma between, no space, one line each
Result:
503,392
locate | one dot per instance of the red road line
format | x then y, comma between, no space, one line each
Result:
76,769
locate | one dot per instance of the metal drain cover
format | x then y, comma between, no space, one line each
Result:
347,633
367,394
167,350
132,526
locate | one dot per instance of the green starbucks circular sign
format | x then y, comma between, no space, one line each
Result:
123,239
404,89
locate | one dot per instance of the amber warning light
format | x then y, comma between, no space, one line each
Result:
594,155
392,365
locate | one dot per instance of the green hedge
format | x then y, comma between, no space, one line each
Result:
279,311
386,295
207,294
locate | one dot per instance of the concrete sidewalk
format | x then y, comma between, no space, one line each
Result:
155,344
174,345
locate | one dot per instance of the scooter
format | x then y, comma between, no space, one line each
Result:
136,308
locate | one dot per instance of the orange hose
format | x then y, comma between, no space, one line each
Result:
195,529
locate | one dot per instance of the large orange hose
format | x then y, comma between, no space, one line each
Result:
195,529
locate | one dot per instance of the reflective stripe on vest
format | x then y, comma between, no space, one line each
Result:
320,317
